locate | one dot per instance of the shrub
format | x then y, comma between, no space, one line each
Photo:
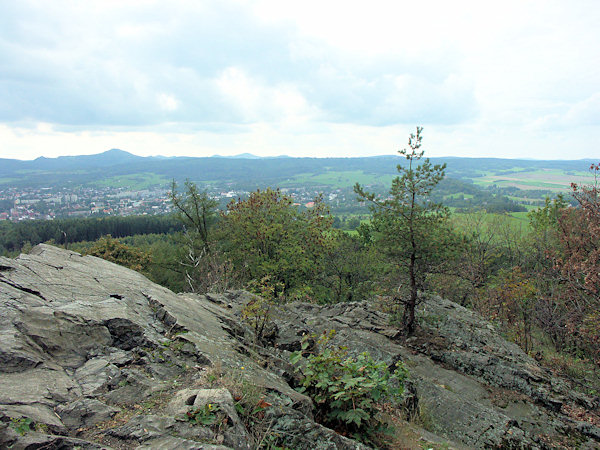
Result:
113,250
258,311
347,390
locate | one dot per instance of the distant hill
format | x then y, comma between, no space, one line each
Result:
240,156
250,156
252,171
106,159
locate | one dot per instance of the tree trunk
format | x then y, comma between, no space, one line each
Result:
408,320
409,308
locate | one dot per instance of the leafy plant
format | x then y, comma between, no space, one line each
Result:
22,425
205,415
347,390
204,267
113,250
196,210
266,234
511,300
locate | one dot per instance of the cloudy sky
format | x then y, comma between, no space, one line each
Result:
514,79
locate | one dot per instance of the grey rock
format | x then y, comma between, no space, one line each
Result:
292,429
132,386
82,338
10,439
476,388
181,402
95,375
147,429
230,426
84,412
589,430
16,355
80,335
472,346
143,427
175,443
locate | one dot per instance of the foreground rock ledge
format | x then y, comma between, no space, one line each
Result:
93,355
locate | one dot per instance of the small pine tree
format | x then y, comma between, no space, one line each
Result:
410,226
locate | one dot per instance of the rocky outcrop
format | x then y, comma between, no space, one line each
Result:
96,356
474,387
93,355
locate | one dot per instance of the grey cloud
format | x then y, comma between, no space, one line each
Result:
61,66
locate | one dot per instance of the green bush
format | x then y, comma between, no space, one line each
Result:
258,311
347,390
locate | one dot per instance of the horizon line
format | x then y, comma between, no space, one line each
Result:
254,156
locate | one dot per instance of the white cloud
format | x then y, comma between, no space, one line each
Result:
237,88
586,112
167,102
301,76
260,102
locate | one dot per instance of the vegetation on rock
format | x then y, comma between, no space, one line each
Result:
348,391
534,275
410,227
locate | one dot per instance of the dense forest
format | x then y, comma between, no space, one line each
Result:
14,237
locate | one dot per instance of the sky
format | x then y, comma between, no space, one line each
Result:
510,79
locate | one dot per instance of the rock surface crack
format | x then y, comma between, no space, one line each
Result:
22,288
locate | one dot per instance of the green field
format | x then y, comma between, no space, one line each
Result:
29,171
136,181
339,179
555,180
517,222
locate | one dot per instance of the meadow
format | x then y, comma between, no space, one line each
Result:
134,182
555,180
338,179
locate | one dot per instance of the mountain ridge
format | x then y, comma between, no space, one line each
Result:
119,153
251,173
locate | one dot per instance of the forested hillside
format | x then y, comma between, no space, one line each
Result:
253,173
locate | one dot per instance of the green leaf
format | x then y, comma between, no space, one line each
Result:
295,357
